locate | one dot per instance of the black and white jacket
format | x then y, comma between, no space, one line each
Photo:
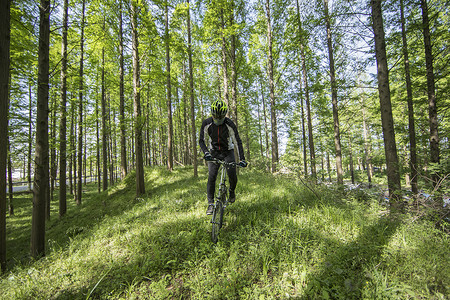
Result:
222,137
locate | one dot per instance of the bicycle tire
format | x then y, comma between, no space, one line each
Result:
221,215
216,221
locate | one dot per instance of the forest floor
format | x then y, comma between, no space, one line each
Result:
281,240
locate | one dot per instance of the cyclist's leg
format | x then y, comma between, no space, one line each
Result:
211,185
231,173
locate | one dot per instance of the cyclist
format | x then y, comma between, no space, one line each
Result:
224,137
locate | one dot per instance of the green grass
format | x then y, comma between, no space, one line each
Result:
279,241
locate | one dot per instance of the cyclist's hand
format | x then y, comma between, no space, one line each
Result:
207,157
243,163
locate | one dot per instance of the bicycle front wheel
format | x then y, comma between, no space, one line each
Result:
216,221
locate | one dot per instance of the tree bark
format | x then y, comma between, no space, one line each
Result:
390,148
52,152
312,151
224,59
367,148
30,134
169,93
352,173
71,147
140,185
337,135
411,127
4,108
432,110
10,180
80,110
273,114
123,143
63,117
233,106
41,170
104,129
191,95
266,127
97,133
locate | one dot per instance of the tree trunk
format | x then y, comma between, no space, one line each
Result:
352,173
387,121
191,95
328,166
97,132
52,152
411,127
71,111
80,110
233,106
432,110
273,114
4,108
63,119
41,170
104,129
30,134
169,94
10,180
123,143
140,185
266,127
367,148
337,135
224,59
312,151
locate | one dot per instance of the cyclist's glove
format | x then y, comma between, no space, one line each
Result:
207,156
243,163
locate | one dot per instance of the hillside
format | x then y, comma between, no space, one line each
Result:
280,240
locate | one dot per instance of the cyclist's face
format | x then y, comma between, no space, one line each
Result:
218,120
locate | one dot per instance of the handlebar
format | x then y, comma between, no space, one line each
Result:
227,164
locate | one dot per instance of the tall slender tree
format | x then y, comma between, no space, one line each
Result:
191,93
431,88
312,151
387,121
224,55
80,108
123,145
41,177
63,117
233,44
273,109
140,185
104,126
334,100
30,133
169,91
5,7
409,99
367,148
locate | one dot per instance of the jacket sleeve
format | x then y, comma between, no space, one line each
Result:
201,140
237,140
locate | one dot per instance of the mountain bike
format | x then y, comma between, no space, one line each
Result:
221,199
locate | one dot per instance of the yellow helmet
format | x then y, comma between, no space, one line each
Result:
219,109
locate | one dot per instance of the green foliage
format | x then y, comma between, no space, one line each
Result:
279,240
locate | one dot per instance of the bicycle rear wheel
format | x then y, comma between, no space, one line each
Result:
216,221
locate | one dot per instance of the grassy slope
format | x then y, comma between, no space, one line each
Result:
279,241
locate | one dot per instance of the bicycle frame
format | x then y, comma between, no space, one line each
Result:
221,199
222,194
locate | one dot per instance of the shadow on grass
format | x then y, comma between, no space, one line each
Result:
181,243
347,267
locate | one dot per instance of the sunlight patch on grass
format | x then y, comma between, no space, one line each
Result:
279,240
